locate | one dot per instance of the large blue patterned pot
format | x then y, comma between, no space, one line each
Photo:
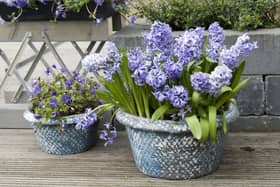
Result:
167,149
69,141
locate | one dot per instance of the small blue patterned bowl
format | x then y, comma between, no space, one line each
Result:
69,141
167,149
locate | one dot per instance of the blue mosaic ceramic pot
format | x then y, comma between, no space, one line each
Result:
167,149
69,141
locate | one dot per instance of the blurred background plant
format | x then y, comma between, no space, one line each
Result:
231,14
59,9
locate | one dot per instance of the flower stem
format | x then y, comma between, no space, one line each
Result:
20,11
146,103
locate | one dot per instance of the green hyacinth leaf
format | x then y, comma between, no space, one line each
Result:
213,123
201,112
240,85
160,112
195,98
228,95
226,89
204,123
105,96
237,74
194,126
224,123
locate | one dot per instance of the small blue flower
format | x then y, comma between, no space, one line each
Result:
66,99
10,3
60,11
103,135
112,52
229,57
104,64
63,70
53,103
75,73
37,116
108,74
162,94
22,3
82,90
216,41
173,70
34,83
94,89
221,76
99,2
189,45
48,71
108,134
132,19
241,48
80,79
69,82
95,62
160,38
156,78
134,59
54,114
244,45
216,33
140,75
88,119
36,91
179,96
201,82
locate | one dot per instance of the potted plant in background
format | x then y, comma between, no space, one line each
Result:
38,10
60,112
175,97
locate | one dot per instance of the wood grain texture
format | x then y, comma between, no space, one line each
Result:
60,31
250,159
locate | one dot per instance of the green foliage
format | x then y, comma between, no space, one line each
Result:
75,5
81,96
203,124
160,112
231,14
125,94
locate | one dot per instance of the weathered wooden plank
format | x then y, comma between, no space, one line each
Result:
11,116
23,164
60,31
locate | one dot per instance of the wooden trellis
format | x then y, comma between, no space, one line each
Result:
51,35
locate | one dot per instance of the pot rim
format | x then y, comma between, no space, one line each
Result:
169,126
71,119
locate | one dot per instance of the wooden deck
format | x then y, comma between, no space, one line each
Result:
250,159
